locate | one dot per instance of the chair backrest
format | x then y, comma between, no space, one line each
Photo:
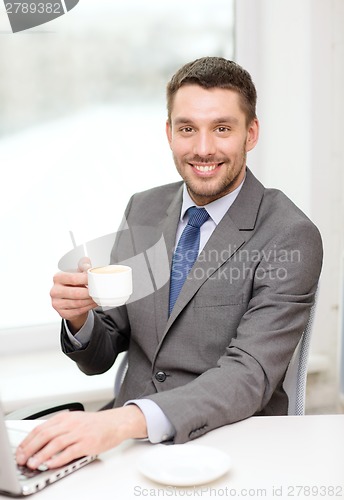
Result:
296,376
121,372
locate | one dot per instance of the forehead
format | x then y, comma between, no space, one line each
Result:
194,102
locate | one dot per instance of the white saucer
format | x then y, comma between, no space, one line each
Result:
184,465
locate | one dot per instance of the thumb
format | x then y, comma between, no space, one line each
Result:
84,264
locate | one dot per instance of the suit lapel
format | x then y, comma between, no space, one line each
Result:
168,228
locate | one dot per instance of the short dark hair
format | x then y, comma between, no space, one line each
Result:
215,72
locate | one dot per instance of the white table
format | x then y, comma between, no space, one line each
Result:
273,457
45,376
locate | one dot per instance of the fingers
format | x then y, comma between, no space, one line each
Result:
84,264
72,310
30,451
70,279
69,295
70,453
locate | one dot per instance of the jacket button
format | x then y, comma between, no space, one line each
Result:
160,376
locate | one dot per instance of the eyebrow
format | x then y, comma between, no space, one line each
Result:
223,119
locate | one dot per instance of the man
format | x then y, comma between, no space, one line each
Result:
212,349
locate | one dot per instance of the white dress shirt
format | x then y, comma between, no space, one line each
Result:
159,428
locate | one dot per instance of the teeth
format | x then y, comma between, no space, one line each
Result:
205,168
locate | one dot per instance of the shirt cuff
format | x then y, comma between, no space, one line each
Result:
82,337
159,428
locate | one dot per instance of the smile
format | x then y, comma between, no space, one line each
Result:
205,168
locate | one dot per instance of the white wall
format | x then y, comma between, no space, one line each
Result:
294,50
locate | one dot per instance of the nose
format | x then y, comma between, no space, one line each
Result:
204,144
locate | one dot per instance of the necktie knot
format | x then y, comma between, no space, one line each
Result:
197,216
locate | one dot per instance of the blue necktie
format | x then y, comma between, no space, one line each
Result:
186,252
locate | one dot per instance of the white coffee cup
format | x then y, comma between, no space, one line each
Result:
110,286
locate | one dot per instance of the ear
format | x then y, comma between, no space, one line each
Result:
252,134
169,132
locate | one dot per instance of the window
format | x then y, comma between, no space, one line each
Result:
82,128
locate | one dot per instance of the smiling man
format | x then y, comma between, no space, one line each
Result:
212,345
209,137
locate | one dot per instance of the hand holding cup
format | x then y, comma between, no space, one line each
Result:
70,297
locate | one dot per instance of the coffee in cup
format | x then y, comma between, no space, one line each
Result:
110,286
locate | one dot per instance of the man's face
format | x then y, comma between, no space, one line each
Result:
209,139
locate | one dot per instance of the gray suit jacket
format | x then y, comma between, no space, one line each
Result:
222,354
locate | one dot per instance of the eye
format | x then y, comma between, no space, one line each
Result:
186,130
223,129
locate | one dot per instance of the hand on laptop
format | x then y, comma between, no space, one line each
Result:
70,298
72,435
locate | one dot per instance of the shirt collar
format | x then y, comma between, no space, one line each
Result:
216,209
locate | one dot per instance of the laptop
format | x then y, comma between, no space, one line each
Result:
18,480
